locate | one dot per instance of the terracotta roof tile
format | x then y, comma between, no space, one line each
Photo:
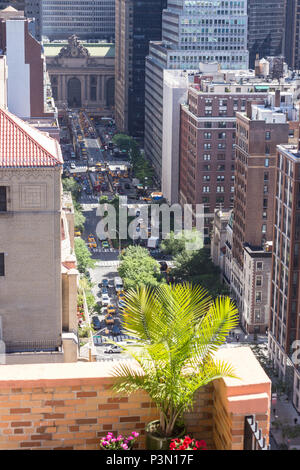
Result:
21,145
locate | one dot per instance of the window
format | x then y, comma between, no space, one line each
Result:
206,178
259,265
207,135
207,146
208,125
206,189
257,314
258,297
2,271
267,150
222,124
3,198
258,281
266,162
264,228
93,88
206,156
222,135
268,135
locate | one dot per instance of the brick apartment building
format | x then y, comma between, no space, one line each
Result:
258,132
285,274
207,143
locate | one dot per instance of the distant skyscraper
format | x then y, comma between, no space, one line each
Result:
85,18
137,23
292,30
191,33
266,24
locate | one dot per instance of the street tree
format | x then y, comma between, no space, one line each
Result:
138,268
84,259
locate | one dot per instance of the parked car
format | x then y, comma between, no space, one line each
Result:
104,283
104,290
116,330
96,323
163,266
105,299
113,350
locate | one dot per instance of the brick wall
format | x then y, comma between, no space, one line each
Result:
71,406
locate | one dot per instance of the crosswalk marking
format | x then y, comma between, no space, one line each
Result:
108,263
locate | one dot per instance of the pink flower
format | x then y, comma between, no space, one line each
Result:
130,438
135,434
124,446
104,443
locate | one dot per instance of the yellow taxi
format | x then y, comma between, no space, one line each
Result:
77,234
92,245
121,294
109,319
111,309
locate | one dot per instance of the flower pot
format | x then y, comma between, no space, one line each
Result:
155,442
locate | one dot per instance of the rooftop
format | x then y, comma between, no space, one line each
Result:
21,145
52,49
291,150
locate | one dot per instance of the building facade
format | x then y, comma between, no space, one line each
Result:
28,86
284,312
34,229
81,74
88,19
258,132
266,28
137,23
207,143
206,32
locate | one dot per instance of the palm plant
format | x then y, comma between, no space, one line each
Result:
177,330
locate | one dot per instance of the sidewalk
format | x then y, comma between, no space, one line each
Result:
285,413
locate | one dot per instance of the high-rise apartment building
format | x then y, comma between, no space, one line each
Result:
258,132
207,140
285,290
137,23
266,28
192,32
86,18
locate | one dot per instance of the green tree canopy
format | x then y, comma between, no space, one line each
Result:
175,244
70,185
197,267
79,220
138,268
84,259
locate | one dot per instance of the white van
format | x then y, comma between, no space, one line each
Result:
118,283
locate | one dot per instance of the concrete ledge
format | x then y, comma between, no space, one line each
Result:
249,404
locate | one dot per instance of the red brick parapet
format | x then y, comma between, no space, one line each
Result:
71,406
